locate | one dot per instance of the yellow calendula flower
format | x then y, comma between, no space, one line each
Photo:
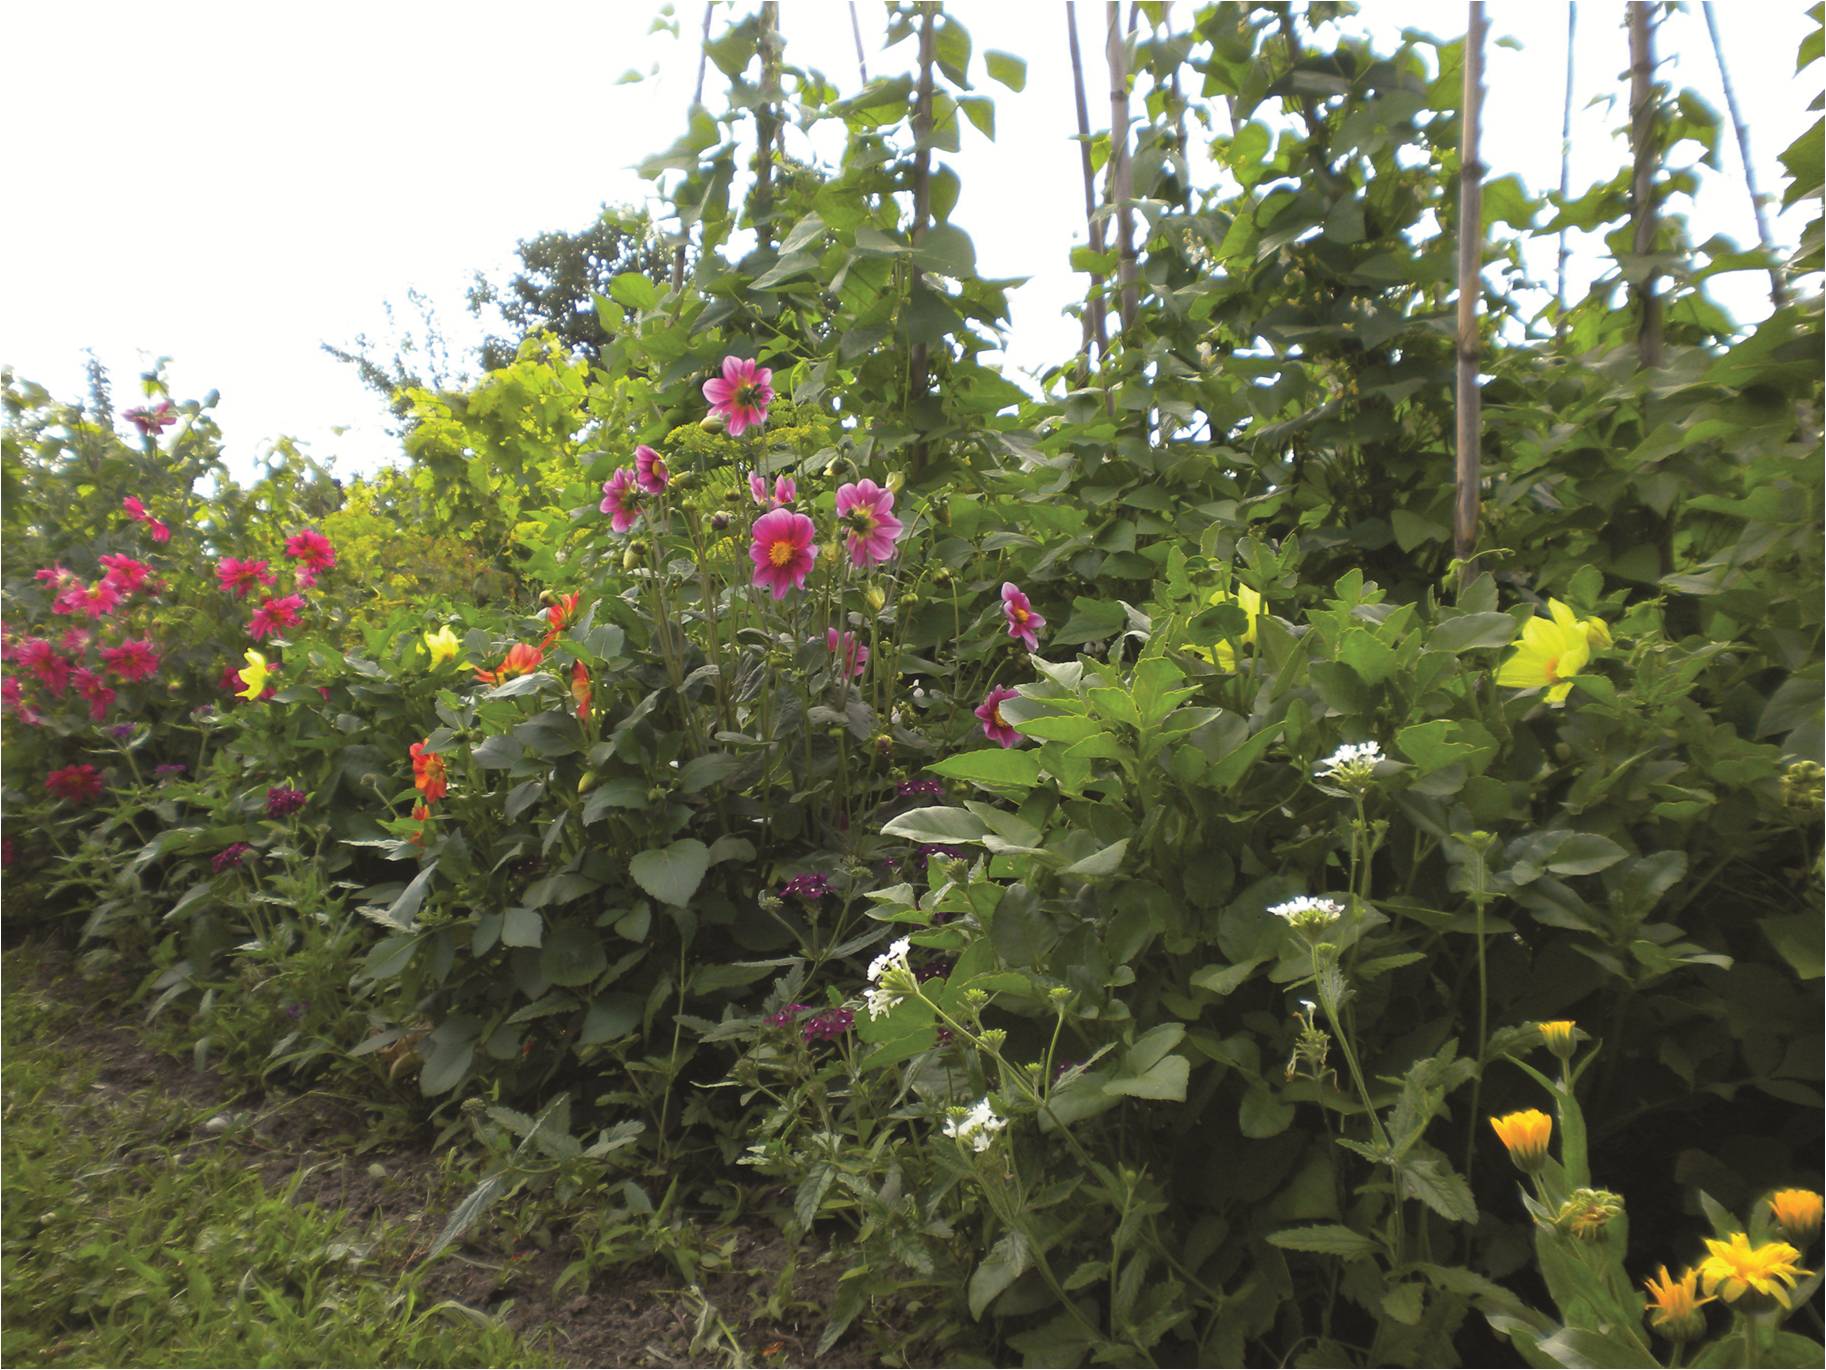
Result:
253,675
1222,654
1551,651
1674,1306
1735,1268
1559,1036
443,646
1526,1134
1797,1213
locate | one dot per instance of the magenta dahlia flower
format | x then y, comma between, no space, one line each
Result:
278,611
96,691
151,420
1023,622
650,470
995,727
283,800
54,575
95,601
864,509
783,551
619,501
75,784
132,660
786,490
238,577
125,574
741,394
313,549
855,654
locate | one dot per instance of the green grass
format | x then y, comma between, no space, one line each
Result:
126,1241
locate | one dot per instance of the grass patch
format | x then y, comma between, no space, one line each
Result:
128,1237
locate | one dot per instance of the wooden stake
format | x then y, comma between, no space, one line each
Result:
697,98
1096,324
862,63
1643,140
919,362
1572,24
1121,187
1470,294
1778,288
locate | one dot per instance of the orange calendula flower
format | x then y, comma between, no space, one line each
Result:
1559,1036
1797,1213
428,773
521,659
1735,1268
559,615
1526,1135
1674,1306
580,690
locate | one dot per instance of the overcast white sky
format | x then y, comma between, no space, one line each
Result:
233,184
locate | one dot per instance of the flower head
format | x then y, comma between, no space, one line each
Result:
558,615
581,693
785,490
827,1026
253,676
93,689
1735,1268
809,886
864,509
160,532
1560,1036
124,573
151,420
1526,1135
1797,1213
855,654
619,501
135,509
741,394
1308,913
1222,654
522,659
313,549
238,577
230,856
1552,650
38,656
428,775
1023,622
443,646
995,727
783,551
1587,1213
1352,766
132,660
78,785
275,612
1674,1306
892,977
926,788
282,801
787,1016
650,470
976,1126
95,601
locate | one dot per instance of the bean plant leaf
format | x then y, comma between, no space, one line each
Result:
672,874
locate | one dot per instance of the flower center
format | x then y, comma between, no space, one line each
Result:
745,396
1552,669
1021,615
780,553
996,714
862,520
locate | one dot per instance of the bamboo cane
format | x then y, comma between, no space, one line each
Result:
697,98
1643,141
1470,292
1778,288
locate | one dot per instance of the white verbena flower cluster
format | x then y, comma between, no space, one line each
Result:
1308,911
977,1127
1354,760
890,987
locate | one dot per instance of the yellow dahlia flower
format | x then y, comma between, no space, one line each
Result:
1551,651
1735,1268
1674,1306
253,675
1526,1135
443,646
1797,1213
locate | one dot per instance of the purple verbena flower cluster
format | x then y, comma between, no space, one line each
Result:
282,801
811,885
230,856
827,1026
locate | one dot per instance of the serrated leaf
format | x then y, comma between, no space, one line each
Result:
1325,1239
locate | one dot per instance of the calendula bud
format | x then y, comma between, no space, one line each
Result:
1526,1135
1559,1036
876,597
1588,1212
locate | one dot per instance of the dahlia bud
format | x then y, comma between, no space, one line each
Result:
712,422
719,521
636,555
895,480
876,597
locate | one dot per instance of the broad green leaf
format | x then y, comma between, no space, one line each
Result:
672,874
992,766
1326,1239
1007,1260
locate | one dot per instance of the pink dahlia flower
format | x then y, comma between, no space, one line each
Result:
278,611
75,641
160,533
786,490
95,690
741,394
36,655
650,470
864,509
95,601
1023,622
126,574
619,501
995,727
132,660
313,549
855,654
55,576
783,551
153,419
238,577
79,784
